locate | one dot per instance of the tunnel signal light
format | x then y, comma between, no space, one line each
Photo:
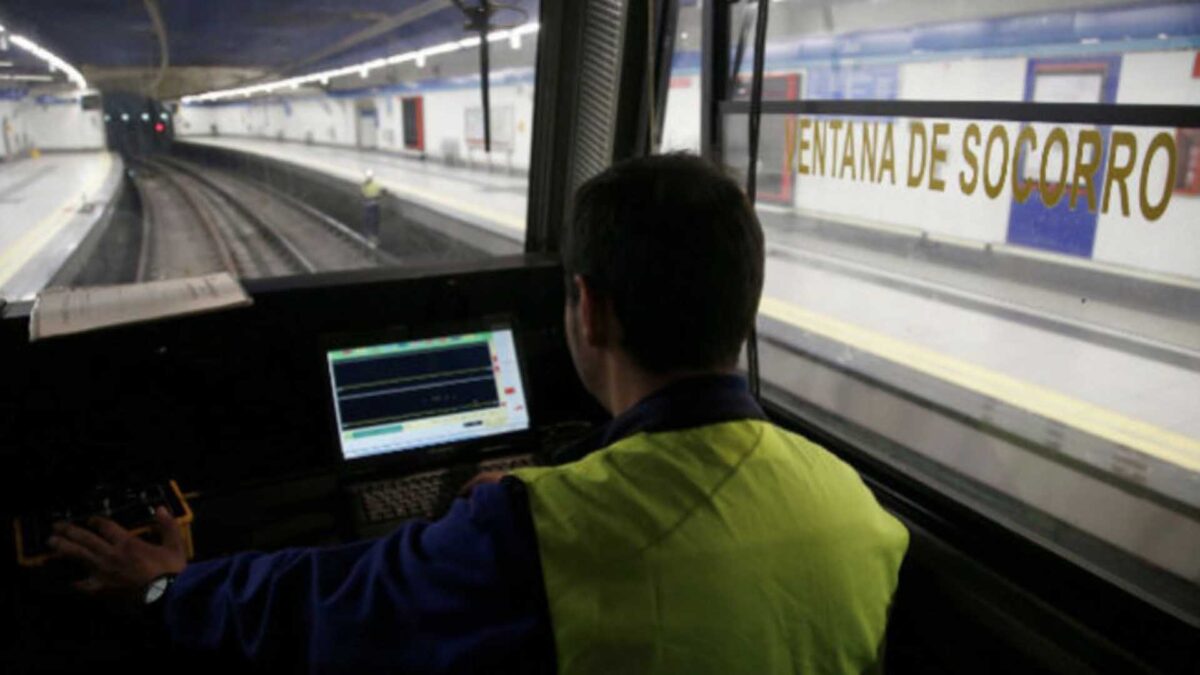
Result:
159,127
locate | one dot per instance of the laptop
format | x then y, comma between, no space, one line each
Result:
415,417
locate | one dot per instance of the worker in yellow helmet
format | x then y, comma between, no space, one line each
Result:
372,194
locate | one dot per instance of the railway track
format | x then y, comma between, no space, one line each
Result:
179,238
327,243
197,221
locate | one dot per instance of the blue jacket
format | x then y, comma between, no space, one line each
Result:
463,594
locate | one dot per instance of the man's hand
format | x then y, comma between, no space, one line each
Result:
121,561
481,478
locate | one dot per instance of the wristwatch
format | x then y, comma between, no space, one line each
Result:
157,589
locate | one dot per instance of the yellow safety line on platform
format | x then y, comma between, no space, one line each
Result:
14,257
1101,422
444,201
512,223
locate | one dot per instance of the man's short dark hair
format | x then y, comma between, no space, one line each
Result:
673,244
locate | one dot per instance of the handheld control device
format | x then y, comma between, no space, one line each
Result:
131,507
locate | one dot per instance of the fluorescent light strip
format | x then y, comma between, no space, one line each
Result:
50,58
26,78
363,69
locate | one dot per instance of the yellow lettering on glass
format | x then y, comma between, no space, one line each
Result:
1166,142
968,185
1021,188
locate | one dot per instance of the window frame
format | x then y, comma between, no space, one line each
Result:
1073,600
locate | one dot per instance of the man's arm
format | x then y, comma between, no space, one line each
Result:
465,591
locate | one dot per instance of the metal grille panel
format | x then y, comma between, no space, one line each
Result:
598,82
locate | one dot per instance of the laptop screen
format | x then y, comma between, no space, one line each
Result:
398,396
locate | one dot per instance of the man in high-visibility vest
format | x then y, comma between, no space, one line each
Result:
372,192
691,536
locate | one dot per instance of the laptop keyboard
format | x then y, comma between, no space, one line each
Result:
424,495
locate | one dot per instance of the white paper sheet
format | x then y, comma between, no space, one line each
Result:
67,311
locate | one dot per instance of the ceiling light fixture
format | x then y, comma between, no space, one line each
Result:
50,58
26,78
418,56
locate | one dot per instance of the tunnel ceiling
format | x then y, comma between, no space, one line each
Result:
218,43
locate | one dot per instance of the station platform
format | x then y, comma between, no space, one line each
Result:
48,205
1123,391
490,200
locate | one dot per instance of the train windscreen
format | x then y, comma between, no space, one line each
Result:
162,141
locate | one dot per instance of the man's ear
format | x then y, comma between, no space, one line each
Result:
594,314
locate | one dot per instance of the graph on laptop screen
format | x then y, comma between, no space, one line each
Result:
400,396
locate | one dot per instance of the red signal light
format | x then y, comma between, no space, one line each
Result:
160,127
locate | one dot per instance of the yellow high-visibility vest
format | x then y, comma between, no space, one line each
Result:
735,547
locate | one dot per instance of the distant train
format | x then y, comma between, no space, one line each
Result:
136,125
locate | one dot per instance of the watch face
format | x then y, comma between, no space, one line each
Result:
156,589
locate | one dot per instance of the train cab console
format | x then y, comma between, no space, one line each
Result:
327,412
294,275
